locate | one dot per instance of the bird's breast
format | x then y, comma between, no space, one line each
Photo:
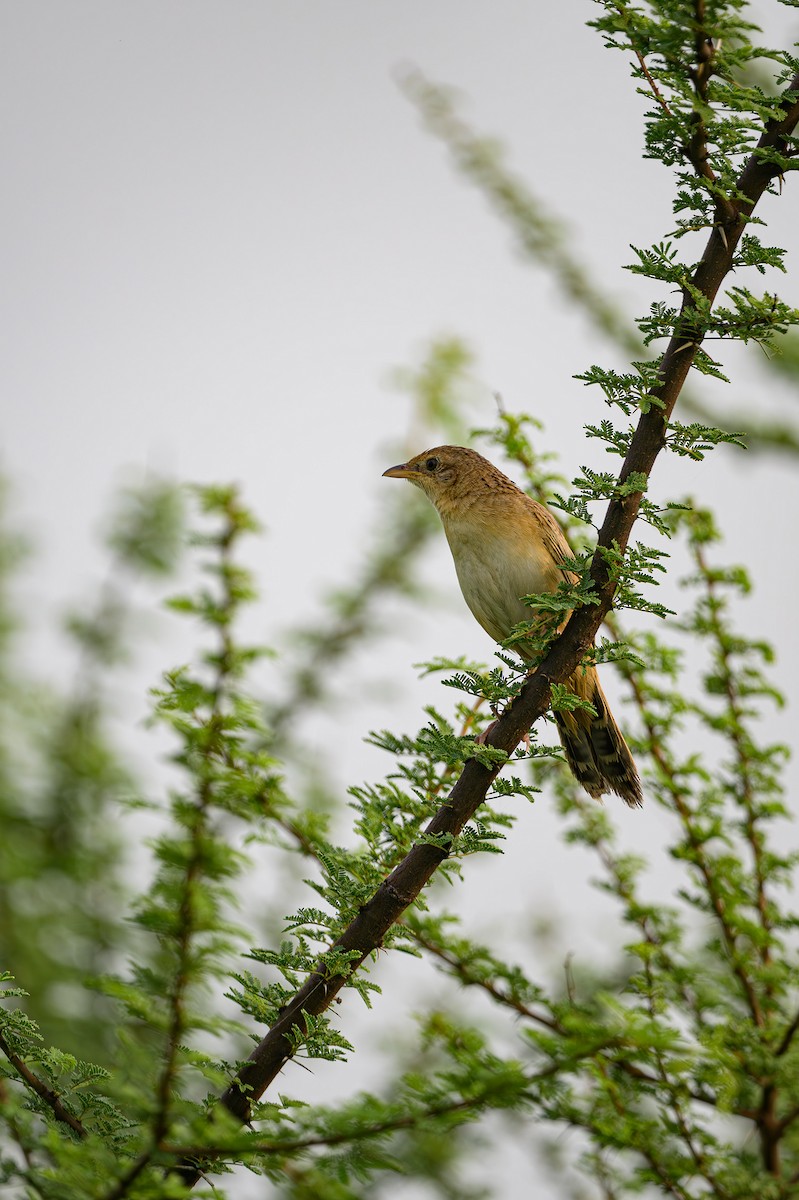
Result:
497,564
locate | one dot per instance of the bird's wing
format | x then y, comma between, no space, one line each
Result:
552,537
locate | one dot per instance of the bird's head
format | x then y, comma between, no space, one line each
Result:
452,476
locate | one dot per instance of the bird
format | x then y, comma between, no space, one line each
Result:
506,545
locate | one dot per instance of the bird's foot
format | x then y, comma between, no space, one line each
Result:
482,738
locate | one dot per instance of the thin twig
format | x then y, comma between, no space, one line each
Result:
51,1098
656,92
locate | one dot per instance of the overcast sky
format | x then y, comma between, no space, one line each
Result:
223,226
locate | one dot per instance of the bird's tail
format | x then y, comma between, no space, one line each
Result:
595,749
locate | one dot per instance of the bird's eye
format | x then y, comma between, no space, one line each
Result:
432,464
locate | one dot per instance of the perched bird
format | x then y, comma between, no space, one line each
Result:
505,546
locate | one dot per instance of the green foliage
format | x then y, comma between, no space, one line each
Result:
61,786
678,1064
636,1062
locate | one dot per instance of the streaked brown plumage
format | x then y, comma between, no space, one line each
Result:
505,546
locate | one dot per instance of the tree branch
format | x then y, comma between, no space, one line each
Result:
366,933
37,1085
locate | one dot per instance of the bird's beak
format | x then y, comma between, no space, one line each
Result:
401,471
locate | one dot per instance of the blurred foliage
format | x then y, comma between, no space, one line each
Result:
676,1068
62,782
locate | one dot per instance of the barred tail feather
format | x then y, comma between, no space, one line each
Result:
597,754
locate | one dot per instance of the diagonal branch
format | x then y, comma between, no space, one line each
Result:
45,1093
366,932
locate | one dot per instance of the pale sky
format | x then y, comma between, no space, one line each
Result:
223,226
